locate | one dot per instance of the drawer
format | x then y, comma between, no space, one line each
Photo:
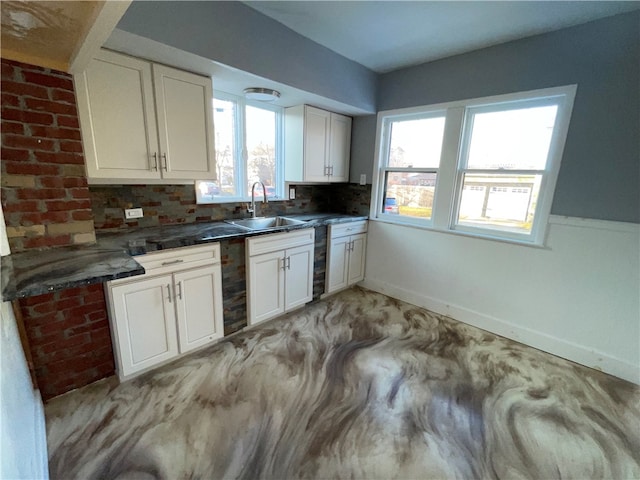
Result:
173,260
280,241
177,257
344,229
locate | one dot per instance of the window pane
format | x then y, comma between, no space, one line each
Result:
224,118
409,194
500,202
261,149
416,143
512,139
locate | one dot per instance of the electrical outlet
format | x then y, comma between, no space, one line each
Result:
363,179
292,193
130,213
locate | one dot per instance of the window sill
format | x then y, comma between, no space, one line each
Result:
479,236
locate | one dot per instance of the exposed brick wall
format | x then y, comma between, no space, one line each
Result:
172,204
69,336
45,197
46,203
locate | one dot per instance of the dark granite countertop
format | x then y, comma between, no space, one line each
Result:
36,272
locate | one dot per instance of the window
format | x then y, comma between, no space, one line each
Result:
413,148
485,167
248,149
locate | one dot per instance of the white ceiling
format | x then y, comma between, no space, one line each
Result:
387,35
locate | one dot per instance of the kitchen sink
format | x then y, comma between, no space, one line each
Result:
265,223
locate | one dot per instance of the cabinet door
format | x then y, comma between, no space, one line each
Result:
357,258
185,123
340,149
299,276
117,115
265,289
144,321
316,144
198,306
337,264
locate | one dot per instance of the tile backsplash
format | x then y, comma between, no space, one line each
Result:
175,204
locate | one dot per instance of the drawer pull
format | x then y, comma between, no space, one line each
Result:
172,262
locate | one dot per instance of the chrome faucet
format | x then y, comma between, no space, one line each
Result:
252,210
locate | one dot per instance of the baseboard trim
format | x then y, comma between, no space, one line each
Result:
561,348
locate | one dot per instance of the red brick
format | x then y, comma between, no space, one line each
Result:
63,96
60,157
9,100
19,155
67,303
36,118
68,205
51,182
101,334
68,121
97,316
55,132
42,193
50,107
8,71
48,80
94,297
24,206
71,146
79,192
80,311
69,182
24,168
30,143
25,89
45,307
40,218
41,242
71,292
79,215
37,299
12,127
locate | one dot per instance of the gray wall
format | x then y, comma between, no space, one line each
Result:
600,171
238,36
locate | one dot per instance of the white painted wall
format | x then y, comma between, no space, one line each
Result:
23,444
578,298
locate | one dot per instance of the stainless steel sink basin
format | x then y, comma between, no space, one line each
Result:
265,223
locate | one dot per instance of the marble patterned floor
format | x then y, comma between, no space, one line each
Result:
357,386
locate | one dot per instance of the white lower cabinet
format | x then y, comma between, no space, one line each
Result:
345,255
279,273
174,308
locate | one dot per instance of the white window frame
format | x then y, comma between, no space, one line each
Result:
386,148
452,168
241,153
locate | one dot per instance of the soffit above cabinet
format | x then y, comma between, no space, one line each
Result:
62,35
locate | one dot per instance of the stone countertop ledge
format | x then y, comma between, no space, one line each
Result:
36,272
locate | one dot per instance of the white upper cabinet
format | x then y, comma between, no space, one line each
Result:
142,121
317,145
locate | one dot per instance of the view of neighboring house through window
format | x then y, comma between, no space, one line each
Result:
484,167
248,150
412,168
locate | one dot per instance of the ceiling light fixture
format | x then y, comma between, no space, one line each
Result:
261,94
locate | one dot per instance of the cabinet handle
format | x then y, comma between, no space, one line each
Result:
164,155
172,262
352,245
169,292
154,167
289,263
180,290
331,171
